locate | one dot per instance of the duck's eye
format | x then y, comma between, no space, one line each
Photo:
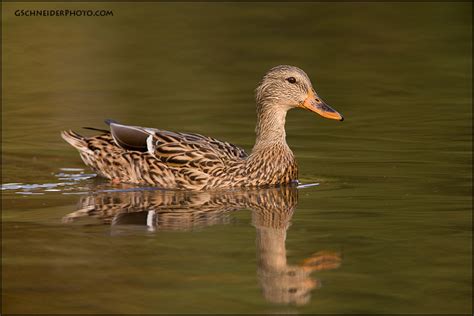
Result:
291,79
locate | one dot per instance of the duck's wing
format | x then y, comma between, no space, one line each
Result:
171,147
130,137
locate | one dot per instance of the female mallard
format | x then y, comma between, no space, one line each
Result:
172,160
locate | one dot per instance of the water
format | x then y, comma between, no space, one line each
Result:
388,228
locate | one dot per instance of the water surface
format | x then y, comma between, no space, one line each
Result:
387,230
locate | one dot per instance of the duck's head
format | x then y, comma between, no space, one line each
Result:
286,87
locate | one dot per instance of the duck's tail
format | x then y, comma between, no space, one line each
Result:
77,141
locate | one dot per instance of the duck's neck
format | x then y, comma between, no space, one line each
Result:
270,126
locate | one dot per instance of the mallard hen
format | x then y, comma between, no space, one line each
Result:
172,160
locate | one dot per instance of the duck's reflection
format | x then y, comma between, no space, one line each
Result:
271,208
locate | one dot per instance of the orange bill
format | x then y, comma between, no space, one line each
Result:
314,104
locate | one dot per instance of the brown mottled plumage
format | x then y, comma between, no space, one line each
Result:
172,160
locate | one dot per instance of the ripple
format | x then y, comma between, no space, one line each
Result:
74,176
68,179
30,193
23,186
71,169
307,185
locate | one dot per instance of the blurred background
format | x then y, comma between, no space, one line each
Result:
395,178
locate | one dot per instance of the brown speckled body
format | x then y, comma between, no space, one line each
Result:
184,164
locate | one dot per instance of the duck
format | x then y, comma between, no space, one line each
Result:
190,161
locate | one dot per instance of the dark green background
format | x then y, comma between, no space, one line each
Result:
395,177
